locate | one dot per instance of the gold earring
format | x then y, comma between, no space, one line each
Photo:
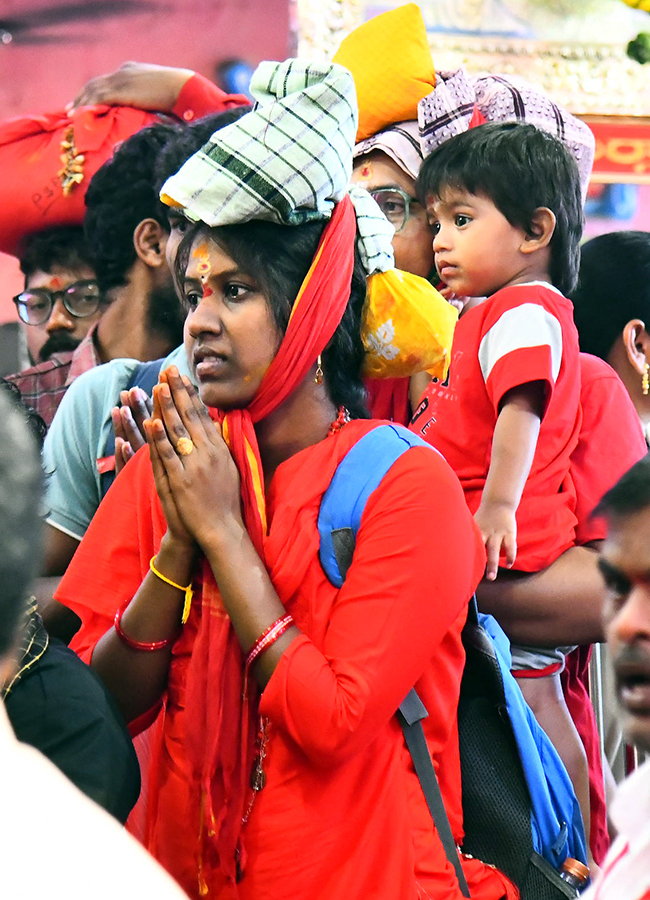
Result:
318,378
645,380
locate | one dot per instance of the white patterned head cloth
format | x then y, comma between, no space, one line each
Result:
401,142
288,161
447,111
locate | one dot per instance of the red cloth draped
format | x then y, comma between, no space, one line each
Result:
221,729
316,314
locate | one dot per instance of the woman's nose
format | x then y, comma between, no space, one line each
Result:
205,318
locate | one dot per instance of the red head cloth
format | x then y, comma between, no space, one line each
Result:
316,313
47,162
220,730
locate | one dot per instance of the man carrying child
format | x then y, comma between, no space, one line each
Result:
505,207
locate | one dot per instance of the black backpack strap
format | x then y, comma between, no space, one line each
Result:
410,715
145,376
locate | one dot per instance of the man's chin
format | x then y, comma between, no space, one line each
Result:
636,728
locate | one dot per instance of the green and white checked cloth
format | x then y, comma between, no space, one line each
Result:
288,161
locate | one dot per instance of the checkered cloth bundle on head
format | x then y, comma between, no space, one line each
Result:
449,108
288,161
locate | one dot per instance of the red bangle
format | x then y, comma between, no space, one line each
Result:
131,642
268,637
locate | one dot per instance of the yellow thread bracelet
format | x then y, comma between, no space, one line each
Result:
189,593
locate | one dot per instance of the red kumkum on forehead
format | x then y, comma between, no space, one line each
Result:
207,291
56,283
204,267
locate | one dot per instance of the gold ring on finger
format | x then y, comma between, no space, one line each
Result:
184,446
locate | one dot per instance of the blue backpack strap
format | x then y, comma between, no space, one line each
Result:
357,476
145,376
557,827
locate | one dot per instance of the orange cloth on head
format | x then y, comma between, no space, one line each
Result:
31,194
390,61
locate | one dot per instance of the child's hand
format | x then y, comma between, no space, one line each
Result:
499,532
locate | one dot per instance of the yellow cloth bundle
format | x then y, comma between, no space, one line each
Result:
390,61
407,327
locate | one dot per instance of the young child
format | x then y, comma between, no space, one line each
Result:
505,207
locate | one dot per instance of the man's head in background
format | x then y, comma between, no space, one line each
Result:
20,526
625,565
178,149
61,300
612,308
126,229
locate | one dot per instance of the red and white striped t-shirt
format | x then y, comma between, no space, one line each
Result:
520,334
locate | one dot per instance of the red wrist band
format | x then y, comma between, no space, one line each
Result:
268,637
131,642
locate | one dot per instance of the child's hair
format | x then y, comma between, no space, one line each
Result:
519,168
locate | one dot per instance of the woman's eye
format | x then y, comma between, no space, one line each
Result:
180,226
462,220
235,291
192,299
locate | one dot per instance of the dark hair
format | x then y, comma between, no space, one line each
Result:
35,422
121,194
613,287
65,247
519,168
186,141
20,531
278,258
630,494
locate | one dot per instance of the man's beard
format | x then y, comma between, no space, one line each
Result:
165,316
58,342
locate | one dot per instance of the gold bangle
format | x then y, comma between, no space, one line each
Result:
189,593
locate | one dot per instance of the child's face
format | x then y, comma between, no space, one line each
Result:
476,249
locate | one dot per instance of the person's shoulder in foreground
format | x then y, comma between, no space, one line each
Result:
55,842
79,849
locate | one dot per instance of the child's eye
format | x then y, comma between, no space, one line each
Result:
435,227
462,219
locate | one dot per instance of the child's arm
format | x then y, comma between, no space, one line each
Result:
513,448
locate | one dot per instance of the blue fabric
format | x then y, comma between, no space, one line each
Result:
557,826
556,821
357,476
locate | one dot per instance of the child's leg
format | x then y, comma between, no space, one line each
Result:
545,698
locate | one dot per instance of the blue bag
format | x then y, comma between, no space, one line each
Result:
535,801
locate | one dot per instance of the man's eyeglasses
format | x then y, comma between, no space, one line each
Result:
81,299
395,205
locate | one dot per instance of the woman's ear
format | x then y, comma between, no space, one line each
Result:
149,240
636,342
542,226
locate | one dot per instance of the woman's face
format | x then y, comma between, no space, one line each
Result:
230,334
413,244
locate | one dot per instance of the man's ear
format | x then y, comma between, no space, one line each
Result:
636,342
542,226
149,240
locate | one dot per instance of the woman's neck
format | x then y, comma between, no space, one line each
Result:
302,420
